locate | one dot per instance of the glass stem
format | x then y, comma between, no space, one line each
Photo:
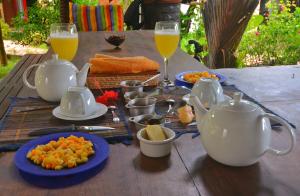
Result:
166,74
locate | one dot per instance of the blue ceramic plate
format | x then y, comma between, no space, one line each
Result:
39,176
181,82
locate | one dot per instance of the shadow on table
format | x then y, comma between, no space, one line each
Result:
148,164
220,179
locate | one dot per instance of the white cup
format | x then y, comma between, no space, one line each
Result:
78,102
209,91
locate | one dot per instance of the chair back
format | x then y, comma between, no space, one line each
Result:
108,16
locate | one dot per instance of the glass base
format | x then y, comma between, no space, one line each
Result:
166,86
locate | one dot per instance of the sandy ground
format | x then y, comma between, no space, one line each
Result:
12,48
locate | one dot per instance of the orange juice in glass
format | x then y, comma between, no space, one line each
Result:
166,39
166,43
64,40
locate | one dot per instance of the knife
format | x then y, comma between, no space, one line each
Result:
34,108
71,128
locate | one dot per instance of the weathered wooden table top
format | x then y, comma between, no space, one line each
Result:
188,170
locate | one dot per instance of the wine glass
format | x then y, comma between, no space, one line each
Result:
64,40
166,37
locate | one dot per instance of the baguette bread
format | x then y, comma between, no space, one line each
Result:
105,64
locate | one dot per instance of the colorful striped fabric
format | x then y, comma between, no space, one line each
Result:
96,18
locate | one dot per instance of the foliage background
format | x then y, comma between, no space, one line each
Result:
273,40
36,30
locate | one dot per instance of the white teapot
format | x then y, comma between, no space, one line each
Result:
237,132
54,77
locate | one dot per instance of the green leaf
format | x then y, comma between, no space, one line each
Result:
254,22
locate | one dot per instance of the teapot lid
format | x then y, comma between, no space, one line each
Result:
56,61
237,104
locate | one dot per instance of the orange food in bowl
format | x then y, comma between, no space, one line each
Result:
193,77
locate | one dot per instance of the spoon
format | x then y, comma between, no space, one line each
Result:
171,102
157,117
116,119
152,78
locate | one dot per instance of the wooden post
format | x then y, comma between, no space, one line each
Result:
64,11
3,57
225,22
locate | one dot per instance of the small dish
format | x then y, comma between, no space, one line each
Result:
131,86
100,110
128,96
115,38
156,148
179,81
140,106
140,121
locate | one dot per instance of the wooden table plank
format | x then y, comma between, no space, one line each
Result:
15,83
276,83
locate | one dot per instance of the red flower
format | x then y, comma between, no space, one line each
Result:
108,97
257,33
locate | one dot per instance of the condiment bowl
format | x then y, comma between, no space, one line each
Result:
139,106
156,148
142,121
134,94
131,86
115,38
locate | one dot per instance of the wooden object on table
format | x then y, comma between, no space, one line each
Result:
94,81
188,170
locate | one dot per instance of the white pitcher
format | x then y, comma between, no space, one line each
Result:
54,77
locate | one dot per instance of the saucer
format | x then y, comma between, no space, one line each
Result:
100,110
186,98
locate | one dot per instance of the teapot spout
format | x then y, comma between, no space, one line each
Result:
199,108
82,75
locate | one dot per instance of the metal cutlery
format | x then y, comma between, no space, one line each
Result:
71,128
116,119
34,108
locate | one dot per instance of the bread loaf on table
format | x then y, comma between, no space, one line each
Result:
105,64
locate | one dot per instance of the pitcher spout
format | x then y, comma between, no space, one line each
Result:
82,75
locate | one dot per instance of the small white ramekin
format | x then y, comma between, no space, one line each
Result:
156,148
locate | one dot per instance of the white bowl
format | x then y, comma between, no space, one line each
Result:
156,148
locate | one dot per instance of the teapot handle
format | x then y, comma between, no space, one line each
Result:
25,74
291,133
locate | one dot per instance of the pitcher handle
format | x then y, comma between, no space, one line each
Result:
25,75
291,133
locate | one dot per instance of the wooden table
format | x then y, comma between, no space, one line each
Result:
188,170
